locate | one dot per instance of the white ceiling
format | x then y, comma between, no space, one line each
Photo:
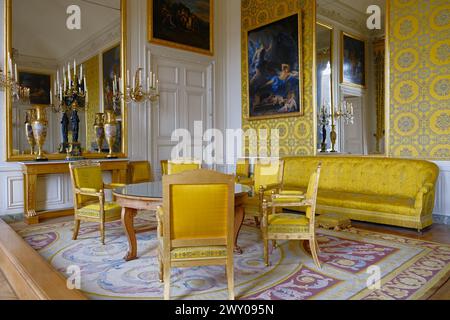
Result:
39,26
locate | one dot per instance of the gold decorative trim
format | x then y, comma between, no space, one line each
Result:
247,117
175,45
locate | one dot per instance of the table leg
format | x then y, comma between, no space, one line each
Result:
239,215
29,183
128,224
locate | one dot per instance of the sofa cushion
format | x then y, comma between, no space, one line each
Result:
399,205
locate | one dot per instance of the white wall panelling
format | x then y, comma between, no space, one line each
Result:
442,205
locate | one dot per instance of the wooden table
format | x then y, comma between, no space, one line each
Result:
31,170
148,196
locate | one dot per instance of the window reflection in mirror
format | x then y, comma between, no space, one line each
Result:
350,78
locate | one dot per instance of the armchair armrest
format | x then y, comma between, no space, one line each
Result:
89,192
111,186
269,187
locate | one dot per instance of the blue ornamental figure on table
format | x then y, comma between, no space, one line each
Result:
75,122
65,128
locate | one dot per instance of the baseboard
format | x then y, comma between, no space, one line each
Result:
29,275
441,219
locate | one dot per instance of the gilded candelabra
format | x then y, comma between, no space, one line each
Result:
346,112
139,92
10,80
324,121
70,95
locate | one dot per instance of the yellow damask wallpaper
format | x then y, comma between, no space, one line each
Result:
296,133
420,79
92,70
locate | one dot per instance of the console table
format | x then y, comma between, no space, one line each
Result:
31,170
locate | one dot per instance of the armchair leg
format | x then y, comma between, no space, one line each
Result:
317,246
257,221
230,278
102,232
161,270
166,270
274,244
312,245
266,252
76,229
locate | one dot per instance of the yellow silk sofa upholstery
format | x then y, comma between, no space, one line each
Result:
389,191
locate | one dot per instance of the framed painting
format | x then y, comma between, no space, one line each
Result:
353,60
274,74
182,24
110,68
39,85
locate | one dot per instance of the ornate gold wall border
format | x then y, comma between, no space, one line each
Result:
245,72
175,45
7,46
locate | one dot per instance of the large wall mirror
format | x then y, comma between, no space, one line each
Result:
350,78
44,50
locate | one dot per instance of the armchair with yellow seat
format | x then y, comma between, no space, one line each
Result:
182,165
196,223
291,226
243,172
268,177
139,172
89,197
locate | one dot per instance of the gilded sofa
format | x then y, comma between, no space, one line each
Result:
388,191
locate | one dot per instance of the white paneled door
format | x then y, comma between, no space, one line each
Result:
185,98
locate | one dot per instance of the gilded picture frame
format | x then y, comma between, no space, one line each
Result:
280,106
182,27
353,60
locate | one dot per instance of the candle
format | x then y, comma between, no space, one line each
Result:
51,98
74,69
69,77
151,79
128,76
154,80
120,86
81,72
9,64
16,78
85,84
149,85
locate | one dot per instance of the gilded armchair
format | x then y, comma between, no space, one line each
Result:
290,226
89,197
196,223
267,178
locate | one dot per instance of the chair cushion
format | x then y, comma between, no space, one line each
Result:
288,223
112,211
192,253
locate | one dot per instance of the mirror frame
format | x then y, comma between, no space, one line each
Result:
386,83
331,29
7,44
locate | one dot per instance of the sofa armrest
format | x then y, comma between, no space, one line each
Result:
422,195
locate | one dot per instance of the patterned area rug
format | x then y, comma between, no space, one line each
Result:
409,269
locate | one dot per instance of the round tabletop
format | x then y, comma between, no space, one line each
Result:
153,190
